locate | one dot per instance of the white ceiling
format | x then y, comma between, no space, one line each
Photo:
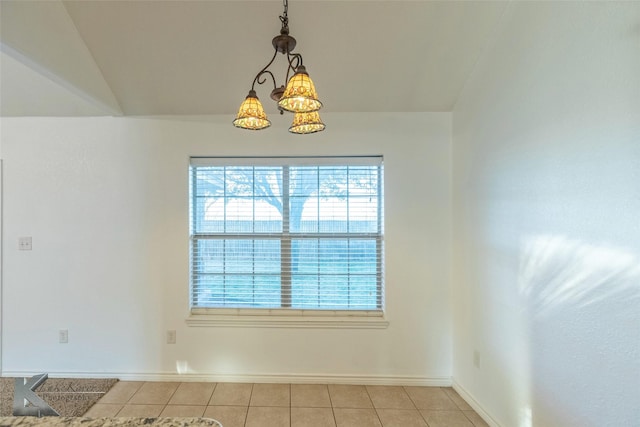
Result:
74,58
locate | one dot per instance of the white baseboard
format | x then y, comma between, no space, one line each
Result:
257,378
474,404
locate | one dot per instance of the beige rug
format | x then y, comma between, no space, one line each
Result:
70,397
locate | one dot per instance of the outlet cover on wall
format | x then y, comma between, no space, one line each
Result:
476,359
63,336
171,336
24,243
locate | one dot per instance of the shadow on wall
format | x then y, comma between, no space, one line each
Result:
583,314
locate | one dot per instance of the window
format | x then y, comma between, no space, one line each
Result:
286,233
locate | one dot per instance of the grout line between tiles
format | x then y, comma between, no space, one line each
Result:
169,399
366,390
333,411
215,386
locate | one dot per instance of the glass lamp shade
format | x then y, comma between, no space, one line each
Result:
300,94
251,115
306,123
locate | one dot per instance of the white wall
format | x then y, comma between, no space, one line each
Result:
105,200
546,248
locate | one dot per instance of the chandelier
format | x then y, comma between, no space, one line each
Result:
299,96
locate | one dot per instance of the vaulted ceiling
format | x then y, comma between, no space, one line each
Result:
130,57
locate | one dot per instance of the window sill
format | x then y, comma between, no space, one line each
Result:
286,319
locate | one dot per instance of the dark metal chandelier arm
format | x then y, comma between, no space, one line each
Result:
291,57
264,78
265,71
286,79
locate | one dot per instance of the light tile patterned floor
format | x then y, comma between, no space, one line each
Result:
290,405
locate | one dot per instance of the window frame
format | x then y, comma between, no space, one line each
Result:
287,316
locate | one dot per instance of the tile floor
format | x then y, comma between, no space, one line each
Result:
290,405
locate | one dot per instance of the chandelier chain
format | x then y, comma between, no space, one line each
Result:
284,18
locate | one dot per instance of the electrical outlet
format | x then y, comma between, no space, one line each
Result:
63,336
476,359
24,243
171,336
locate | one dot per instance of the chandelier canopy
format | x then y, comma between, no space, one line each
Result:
298,96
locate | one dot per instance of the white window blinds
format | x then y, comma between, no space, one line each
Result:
290,233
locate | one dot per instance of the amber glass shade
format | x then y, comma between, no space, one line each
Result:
300,94
251,115
306,123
